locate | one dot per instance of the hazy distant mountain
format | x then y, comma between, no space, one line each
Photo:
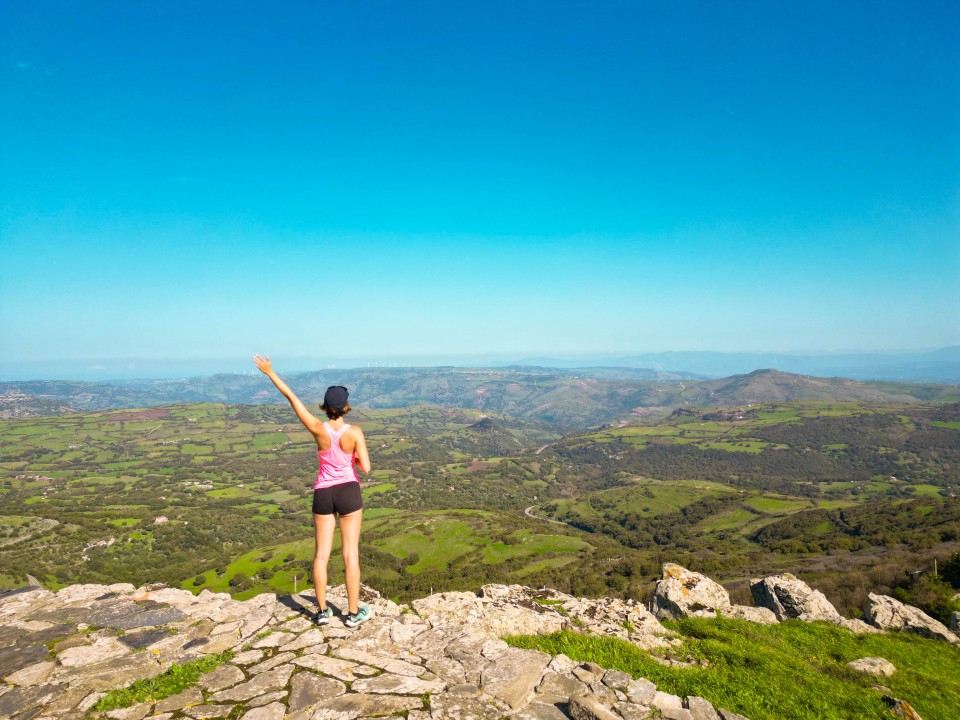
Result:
938,366
572,398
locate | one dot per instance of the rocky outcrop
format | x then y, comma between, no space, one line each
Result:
789,597
682,593
442,659
888,613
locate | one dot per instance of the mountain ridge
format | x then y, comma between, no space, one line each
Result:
570,398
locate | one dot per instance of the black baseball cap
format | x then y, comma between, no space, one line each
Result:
336,397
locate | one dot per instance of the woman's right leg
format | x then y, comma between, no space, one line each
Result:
323,527
350,545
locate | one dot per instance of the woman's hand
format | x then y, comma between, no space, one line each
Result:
263,364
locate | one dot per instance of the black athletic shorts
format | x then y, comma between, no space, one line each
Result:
341,499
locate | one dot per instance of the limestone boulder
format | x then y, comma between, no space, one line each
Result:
683,593
499,611
789,598
955,622
888,613
878,666
761,615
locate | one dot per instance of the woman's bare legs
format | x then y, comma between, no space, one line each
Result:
350,544
323,527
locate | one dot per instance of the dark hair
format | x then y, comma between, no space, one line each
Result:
334,413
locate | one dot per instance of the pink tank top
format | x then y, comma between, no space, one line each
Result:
336,466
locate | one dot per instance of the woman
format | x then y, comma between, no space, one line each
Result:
336,492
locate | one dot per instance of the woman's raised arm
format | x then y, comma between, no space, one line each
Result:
310,422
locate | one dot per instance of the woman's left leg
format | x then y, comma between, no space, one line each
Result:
350,545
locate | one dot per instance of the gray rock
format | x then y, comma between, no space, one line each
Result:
878,666
259,685
449,669
35,674
25,698
727,715
665,701
273,640
308,689
682,593
887,613
13,659
454,707
556,688
311,640
617,679
204,712
134,712
249,657
355,705
340,669
278,659
273,711
539,711
222,677
111,674
143,638
105,648
190,696
514,675
151,618
587,707
789,597
701,709
261,700
390,684
632,711
762,615
641,691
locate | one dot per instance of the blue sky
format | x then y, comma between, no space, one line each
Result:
412,179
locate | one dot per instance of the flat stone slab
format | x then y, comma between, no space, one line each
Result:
143,638
514,675
273,711
150,618
204,712
261,684
19,657
340,669
356,705
307,689
390,684
222,677
103,649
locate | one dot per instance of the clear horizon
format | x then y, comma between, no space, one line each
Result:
141,368
392,180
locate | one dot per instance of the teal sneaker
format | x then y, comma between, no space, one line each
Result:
361,615
323,616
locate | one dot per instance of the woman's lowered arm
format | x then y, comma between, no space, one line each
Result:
310,422
360,452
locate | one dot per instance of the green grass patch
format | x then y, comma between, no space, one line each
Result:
948,424
791,671
776,505
231,492
381,488
176,679
123,522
